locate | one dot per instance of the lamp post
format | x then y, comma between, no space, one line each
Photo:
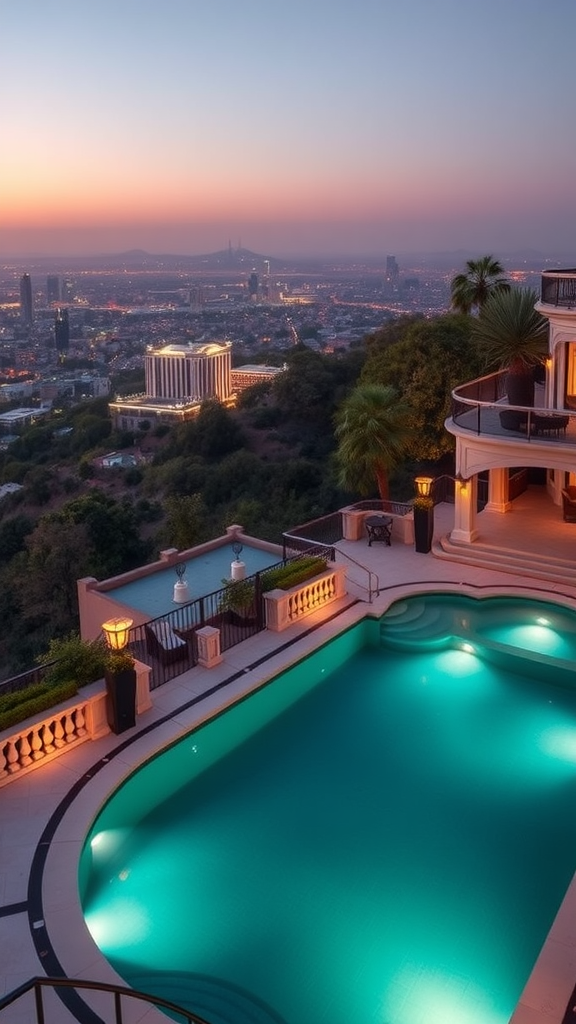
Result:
423,508
120,676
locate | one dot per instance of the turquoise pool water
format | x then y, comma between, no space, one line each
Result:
384,833
204,574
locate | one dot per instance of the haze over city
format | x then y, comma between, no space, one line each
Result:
311,128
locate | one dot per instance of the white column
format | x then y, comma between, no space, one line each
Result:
498,491
465,497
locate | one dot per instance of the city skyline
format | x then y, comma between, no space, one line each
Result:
308,130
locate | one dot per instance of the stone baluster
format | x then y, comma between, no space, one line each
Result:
37,745
48,738
59,740
24,751
12,757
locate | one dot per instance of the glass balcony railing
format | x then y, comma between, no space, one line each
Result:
481,406
558,288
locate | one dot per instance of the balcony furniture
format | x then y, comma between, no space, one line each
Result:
514,419
549,424
569,504
379,528
164,643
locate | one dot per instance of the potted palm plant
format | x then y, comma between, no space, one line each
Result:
239,600
512,335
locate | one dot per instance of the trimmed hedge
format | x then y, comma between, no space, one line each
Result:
17,707
286,576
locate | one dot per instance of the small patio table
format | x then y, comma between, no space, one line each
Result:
379,528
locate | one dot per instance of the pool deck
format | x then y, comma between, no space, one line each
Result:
45,815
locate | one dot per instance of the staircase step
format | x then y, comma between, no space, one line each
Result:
486,556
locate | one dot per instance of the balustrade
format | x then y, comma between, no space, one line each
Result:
34,743
285,607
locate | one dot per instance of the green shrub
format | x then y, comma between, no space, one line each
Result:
119,661
290,575
238,596
17,707
75,660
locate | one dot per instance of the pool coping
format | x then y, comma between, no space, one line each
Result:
59,933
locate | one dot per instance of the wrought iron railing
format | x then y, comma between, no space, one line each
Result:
323,532
168,644
67,990
24,679
387,507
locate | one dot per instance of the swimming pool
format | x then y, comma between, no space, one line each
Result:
380,833
154,594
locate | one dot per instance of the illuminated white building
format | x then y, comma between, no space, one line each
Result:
179,377
189,371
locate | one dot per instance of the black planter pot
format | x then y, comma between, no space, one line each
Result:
121,699
423,528
520,388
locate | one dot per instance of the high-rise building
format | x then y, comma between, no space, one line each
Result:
26,304
253,285
62,332
189,371
392,269
52,288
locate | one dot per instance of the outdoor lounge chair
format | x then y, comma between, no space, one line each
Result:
164,643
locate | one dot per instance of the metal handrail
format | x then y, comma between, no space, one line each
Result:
371,575
118,991
312,544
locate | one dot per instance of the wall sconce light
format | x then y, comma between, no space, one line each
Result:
462,483
548,362
116,633
423,486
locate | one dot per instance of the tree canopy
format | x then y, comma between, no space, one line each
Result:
424,361
372,429
483,277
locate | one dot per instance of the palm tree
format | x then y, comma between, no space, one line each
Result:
372,429
483,278
512,334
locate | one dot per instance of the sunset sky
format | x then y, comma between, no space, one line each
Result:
308,127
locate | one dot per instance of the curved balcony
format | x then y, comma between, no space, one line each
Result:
558,288
481,407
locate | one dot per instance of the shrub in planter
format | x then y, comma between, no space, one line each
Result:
238,597
290,575
118,661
